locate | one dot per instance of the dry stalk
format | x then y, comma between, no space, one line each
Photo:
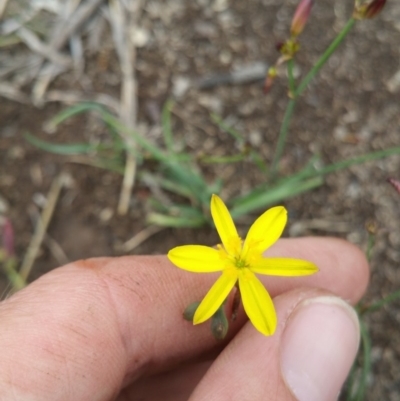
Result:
56,250
3,6
139,238
72,97
76,13
37,46
11,92
42,225
124,19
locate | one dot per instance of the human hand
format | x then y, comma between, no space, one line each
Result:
112,328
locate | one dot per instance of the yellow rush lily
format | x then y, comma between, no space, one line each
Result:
238,260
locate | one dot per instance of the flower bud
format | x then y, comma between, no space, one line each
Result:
219,324
301,16
368,10
190,311
269,79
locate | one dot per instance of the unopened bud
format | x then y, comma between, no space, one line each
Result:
371,227
190,311
269,79
301,16
368,10
279,46
219,324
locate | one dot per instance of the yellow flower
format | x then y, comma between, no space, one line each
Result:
238,261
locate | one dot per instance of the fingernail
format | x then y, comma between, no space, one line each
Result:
319,345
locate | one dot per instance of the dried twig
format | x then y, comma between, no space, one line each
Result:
75,16
41,226
46,51
10,92
46,75
56,250
123,20
3,6
71,97
139,238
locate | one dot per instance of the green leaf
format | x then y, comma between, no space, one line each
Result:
226,128
72,111
172,221
61,149
262,197
394,296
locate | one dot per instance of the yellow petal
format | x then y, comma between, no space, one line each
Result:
266,230
257,303
224,224
283,267
196,258
214,298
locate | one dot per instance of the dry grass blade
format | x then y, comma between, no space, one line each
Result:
46,75
72,21
56,250
11,92
73,97
41,226
75,15
139,238
123,21
46,51
3,6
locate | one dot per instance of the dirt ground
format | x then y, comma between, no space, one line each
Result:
350,109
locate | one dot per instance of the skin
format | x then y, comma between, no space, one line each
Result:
112,328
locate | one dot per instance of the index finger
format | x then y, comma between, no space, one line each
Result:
82,331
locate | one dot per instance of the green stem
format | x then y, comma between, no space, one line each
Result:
394,296
13,276
283,132
324,58
282,135
366,365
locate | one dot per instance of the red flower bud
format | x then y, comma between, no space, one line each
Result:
368,10
374,8
279,46
301,16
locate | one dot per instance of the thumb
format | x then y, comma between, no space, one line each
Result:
307,359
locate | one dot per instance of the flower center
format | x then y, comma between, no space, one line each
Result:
241,263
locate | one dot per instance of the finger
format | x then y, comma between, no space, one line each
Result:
174,385
112,320
308,358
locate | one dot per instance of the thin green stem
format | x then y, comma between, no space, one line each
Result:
370,245
367,363
10,269
394,296
283,132
324,58
282,135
